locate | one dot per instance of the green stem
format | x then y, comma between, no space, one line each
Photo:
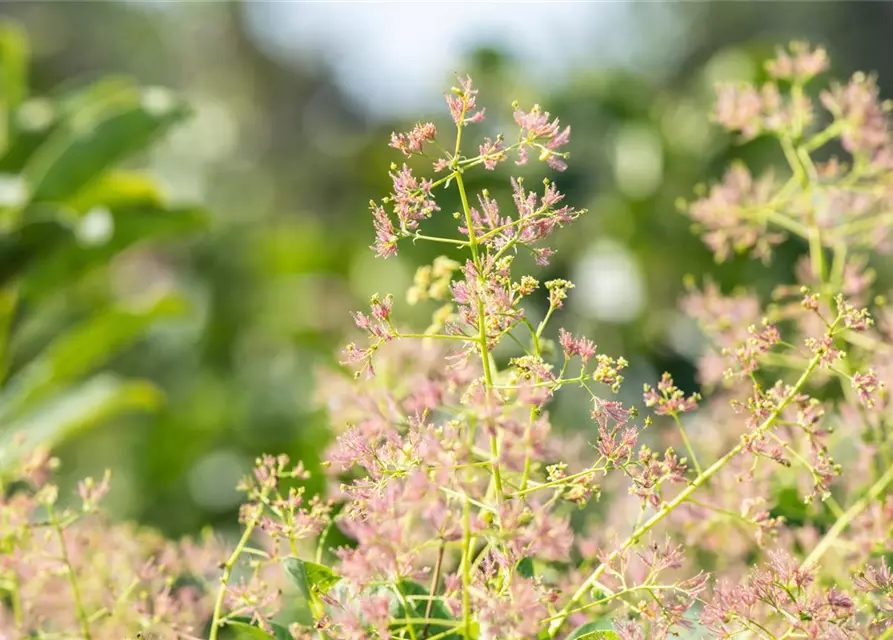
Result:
482,345
808,164
866,342
542,325
725,512
323,536
844,521
83,618
441,622
865,224
406,620
782,221
216,619
18,616
482,327
466,569
790,154
796,99
620,594
688,447
435,580
522,220
887,635
547,383
816,254
434,336
823,137
9,299
838,266
477,503
419,236
443,634
525,477
553,483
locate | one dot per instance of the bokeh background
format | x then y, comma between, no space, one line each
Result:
168,318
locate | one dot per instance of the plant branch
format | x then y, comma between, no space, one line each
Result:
669,507
83,618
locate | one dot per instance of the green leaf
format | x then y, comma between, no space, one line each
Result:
418,608
13,76
593,631
416,597
32,125
244,629
119,189
130,226
74,410
74,99
79,351
28,245
311,578
108,124
9,299
525,567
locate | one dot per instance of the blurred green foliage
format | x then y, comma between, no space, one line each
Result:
67,212
118,293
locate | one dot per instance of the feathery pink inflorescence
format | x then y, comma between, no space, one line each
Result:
457,510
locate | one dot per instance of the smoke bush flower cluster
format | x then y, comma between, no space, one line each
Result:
66,572
468,517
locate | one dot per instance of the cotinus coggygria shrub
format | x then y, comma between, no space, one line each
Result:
468,517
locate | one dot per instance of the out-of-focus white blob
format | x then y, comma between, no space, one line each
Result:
212,481
609,283
638,160
96,227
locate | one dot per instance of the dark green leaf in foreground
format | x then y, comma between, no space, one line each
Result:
13,75
247,631
417,598
593,631
311,578
108,128
525,567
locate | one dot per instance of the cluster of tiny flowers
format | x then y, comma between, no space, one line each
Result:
780,598
668,399
65,571
848,202
455,511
